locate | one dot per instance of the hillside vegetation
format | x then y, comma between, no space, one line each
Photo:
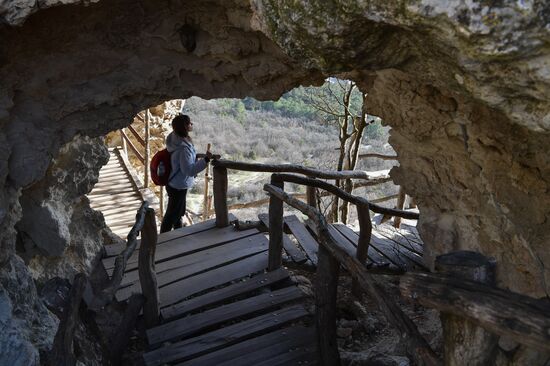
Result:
294,129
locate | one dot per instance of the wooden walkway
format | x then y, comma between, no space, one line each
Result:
119,193
219,306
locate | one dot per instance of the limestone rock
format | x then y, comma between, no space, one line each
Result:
29,322
464,86
61,234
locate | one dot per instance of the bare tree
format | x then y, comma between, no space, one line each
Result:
337,105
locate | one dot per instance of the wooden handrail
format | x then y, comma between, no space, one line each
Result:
416,346
292,168
140,139
108,293
358,201
378,156
134,148
524,319
146,269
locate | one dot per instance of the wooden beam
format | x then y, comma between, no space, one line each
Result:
134,148
521,318
465,342
326,285
220,196
146,269
275,228
291,168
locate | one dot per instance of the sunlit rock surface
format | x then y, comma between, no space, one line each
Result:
465,86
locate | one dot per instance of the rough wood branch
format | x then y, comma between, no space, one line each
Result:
120,262
505,313
417,347
378,156
358,201
62,352
291,168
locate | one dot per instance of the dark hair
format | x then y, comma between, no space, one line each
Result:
179,123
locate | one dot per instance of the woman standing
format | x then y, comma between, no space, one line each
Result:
184,168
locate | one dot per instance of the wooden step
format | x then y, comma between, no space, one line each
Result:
225,293
199,262
191,244
225,337
192,324
304,238
259,349
291,249
181,290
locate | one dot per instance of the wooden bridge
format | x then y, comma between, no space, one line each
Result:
218,294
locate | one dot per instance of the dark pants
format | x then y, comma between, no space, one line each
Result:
175,209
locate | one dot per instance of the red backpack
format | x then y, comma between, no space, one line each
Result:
161,167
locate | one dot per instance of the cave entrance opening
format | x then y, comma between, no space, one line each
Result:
326,127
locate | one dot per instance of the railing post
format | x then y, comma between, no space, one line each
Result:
146,269
161,202
326,283
311,196
365,232
400,204
275,227
147,150
466,343
220,196
124,144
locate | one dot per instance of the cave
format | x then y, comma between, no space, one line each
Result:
463,85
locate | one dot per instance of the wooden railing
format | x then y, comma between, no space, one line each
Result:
474,313
330,256
367,178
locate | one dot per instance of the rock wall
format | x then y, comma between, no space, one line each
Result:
59,234
463,84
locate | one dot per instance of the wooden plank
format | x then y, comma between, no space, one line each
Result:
258,349
171,235
101,192
306,355
411,259
302,235
201,262
351,236
114,210
190,244
224,337
403,237
223,294
348,245
194,323
291,249
192,229
401,258
181,290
